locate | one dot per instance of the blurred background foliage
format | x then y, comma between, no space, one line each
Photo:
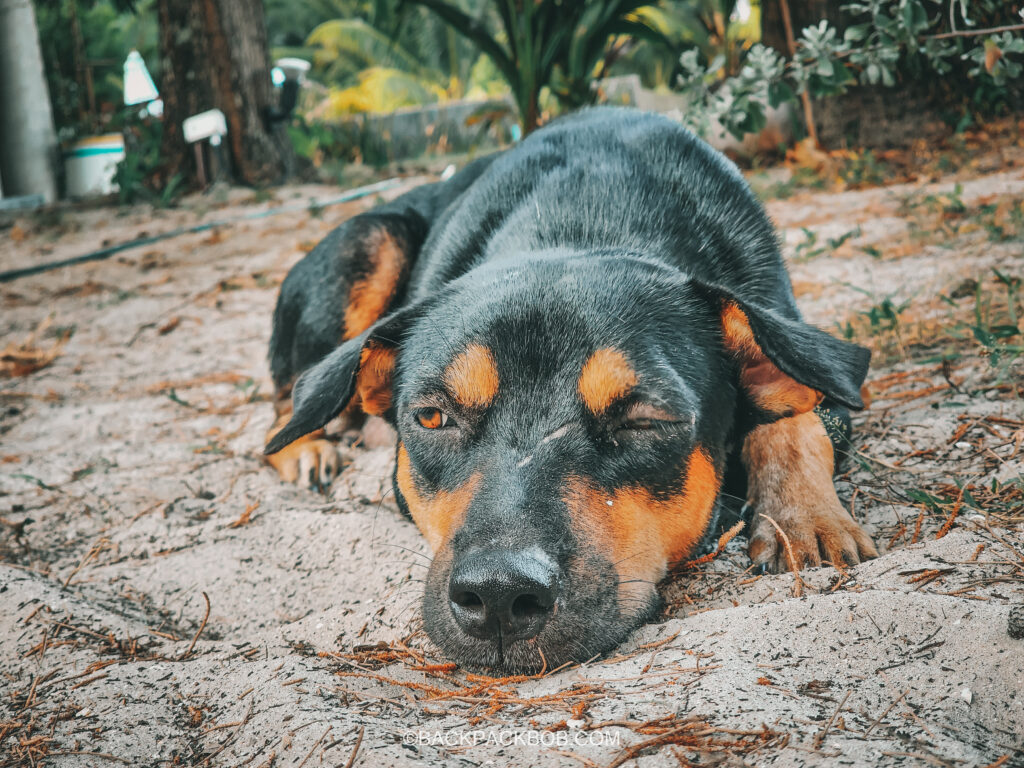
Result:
542,57
371,55
84,43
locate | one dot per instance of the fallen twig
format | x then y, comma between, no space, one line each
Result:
798,583
315,745
723,540
824,731
230,739
202,626
355,750
888,709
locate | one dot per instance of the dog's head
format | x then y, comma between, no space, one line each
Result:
562,430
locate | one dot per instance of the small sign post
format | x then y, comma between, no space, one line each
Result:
210,125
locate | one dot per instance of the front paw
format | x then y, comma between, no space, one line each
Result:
819,532
313,462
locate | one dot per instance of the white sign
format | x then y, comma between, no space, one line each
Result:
204,125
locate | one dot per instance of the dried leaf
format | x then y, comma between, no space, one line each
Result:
169,326
805,154
246,517
25,358
992,56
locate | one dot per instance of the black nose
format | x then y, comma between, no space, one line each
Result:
502,592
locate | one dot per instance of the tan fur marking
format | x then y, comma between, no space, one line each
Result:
373,382
438,516
769,388
641,534
369,297
319,452
789,478
472,377
606,377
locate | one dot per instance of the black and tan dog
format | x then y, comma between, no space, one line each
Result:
576,341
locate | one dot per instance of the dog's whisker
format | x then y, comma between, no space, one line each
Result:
410,563
733,496
426,557
638,553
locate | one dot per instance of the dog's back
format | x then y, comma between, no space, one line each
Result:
615,180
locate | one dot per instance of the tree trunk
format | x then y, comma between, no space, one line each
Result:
215,56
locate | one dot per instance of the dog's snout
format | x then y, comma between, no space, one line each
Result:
506,593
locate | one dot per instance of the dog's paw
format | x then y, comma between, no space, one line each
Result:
311,462
822,532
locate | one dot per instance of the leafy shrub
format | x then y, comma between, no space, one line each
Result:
886,41
136,174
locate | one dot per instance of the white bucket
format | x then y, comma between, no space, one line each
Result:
91,163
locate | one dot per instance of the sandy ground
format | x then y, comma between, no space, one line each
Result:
131,491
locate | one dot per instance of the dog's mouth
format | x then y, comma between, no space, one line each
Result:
517,613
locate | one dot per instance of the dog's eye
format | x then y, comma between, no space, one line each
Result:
433,418
638,424
643,417
643,425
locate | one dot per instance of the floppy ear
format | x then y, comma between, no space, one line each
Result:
787,366
362,366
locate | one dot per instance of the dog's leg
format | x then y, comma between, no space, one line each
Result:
312,459
341,288
789,466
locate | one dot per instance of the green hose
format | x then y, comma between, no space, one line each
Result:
104,253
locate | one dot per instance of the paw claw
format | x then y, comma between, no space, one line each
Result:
313,462
824,534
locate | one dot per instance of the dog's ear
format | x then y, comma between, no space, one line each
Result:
363,366
787,366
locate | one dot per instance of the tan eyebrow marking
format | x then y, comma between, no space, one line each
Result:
472,377
606,377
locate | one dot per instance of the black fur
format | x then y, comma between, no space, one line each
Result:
609,228
308,316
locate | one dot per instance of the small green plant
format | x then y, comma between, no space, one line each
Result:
809,248
864,169
800,178
119,297
550,45
1003,222
990,328
885,315
948,203
882,321
141,164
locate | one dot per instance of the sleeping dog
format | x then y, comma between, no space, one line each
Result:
585,343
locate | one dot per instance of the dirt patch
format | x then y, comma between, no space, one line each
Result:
131,492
